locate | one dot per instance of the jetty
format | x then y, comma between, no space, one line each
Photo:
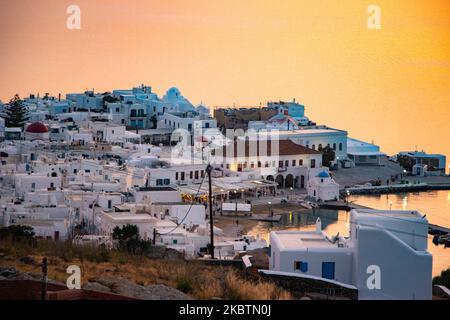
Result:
395,188
340,205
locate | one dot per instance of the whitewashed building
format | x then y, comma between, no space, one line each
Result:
313,137
385,255
364,153
107,221
282,161
321,187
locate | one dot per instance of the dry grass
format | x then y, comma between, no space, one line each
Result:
239,289
192,277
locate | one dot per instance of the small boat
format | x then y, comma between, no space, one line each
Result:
306,205
313,204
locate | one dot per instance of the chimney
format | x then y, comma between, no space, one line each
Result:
59,97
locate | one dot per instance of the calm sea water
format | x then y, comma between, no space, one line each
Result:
435,204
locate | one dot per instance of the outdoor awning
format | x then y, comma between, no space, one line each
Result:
221,187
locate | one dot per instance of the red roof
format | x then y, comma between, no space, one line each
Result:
285,148
37,127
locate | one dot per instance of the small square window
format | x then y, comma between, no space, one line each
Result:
301,265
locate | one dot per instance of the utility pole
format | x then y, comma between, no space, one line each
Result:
44,279
211,219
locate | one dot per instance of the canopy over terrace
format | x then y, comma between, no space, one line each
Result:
221,187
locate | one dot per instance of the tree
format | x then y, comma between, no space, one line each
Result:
405,162
328,155
17,233
126,233
109,99
16,113
129,239
154,121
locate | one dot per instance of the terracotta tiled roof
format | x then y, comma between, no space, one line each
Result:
285,148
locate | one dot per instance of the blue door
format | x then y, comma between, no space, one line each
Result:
328,270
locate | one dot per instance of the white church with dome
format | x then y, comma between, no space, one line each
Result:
321,186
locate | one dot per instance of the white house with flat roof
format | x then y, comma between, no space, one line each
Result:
182,213
153,194
384,257
188,121
433,163
364,153
107,221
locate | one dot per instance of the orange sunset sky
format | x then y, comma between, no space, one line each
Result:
389,85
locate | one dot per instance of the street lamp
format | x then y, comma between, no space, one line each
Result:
270,209
390,205
291,192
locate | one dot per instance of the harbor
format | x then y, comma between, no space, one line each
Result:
334,216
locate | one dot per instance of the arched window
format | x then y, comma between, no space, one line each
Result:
340,146
334,146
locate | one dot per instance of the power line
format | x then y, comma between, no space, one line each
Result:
187,213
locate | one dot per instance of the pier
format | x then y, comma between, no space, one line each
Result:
396,188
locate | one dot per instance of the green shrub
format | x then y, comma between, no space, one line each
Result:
184,284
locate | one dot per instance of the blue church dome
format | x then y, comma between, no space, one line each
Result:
323,174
